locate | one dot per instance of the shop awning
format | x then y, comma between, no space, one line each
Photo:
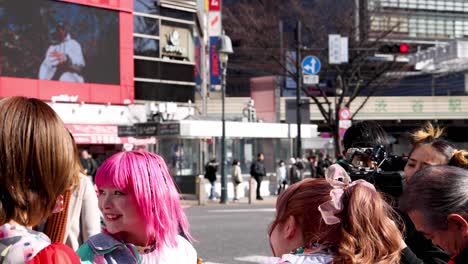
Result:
103,134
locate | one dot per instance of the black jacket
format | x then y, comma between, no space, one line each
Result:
420,250
257,169
461,258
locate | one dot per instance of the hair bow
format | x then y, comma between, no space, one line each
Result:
340,180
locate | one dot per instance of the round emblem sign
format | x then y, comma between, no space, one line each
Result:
344,113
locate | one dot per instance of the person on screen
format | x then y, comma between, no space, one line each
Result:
64,59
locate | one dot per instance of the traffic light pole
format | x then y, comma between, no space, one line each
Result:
299,89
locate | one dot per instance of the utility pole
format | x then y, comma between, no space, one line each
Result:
299,88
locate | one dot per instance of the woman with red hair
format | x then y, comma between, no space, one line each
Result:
321,222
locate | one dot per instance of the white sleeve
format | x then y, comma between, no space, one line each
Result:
90,221
48,65
75,54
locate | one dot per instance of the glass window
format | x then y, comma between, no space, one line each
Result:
181,155
174,13
146,47
146,25
146,6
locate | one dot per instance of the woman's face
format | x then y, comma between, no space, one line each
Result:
422,156
122,216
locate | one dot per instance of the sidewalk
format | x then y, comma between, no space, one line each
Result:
190,200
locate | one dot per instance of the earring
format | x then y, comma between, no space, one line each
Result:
59,205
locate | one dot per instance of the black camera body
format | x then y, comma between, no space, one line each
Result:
388,177
389,182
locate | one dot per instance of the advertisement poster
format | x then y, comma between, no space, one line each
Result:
215,65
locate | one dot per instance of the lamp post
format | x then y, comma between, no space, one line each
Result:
224,49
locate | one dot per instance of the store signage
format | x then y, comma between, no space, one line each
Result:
168,129
64,98
146,129
126,131
157,129
176,43
214,5
173,44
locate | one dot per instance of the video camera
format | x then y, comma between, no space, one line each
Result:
386,173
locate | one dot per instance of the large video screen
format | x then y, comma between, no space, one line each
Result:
52,40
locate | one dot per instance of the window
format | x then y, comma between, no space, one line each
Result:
146,25
146,47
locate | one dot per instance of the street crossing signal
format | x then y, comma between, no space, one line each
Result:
402,48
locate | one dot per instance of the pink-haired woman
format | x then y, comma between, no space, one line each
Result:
142,214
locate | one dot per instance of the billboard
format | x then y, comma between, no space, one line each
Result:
56,49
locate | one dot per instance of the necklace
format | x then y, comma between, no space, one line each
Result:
146,249
311,248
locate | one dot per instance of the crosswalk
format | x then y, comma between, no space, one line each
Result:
252,259
257,210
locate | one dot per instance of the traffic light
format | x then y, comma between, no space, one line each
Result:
393,48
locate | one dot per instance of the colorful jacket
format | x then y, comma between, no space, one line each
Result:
105,249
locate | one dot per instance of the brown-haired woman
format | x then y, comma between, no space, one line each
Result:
319,223
37,168
80,218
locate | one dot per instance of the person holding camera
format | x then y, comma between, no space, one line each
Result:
361,141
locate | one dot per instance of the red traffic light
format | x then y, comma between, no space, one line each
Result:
393,48
404,48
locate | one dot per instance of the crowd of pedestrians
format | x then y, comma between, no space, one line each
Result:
50,211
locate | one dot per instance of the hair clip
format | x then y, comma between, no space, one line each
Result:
59,204
340,181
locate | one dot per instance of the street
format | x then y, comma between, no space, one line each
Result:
231,233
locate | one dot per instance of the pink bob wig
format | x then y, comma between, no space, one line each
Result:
145,175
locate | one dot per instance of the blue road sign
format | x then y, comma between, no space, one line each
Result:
311,65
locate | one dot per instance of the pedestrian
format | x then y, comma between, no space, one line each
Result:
281,176
319,222
258,171
294,173
436,199
237,179
313,166
142,214
37,168
88,163
81,217
211,168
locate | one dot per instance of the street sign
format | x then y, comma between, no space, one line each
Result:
311,65
344,113
337,49
344,124
310,79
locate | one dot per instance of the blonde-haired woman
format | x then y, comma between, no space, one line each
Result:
429,148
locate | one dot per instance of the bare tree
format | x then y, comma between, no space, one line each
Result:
261,49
